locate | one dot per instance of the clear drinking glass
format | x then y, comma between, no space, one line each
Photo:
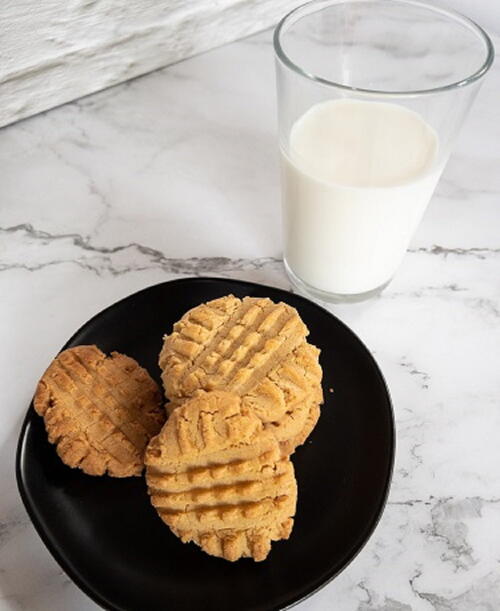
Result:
371,95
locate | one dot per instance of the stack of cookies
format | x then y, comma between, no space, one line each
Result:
243,389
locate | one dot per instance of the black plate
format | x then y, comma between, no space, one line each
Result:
108,538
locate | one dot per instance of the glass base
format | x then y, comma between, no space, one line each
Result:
318,294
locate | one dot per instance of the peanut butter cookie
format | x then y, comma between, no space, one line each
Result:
217,478
254,348
99,411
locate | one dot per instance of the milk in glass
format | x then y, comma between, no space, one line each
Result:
356,181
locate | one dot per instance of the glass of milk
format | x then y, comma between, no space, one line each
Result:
371,95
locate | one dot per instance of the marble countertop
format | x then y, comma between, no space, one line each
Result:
175,174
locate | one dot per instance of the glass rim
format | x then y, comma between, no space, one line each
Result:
451,14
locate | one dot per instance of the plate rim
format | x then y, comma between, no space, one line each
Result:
293,600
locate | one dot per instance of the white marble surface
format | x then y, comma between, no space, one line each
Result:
175,174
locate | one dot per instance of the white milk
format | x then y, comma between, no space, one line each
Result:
356,182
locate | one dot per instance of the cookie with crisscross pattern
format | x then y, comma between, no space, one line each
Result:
254,348
100,411
216,476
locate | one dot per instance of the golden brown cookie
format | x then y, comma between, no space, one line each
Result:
217,478
99,411
254,348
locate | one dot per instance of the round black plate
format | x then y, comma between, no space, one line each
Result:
107,537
